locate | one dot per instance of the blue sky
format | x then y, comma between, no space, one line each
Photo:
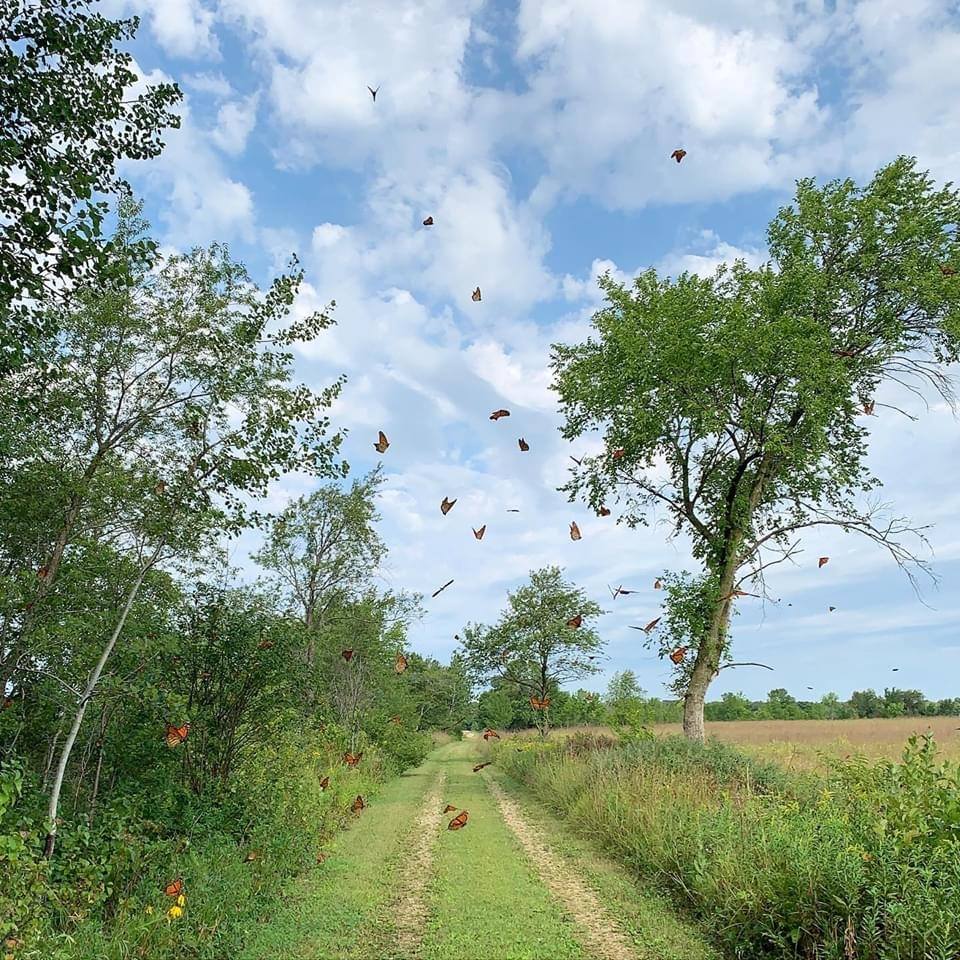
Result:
538,134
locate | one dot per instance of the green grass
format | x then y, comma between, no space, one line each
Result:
649,919
485,900
331,911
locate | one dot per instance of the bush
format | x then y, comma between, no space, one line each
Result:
864,864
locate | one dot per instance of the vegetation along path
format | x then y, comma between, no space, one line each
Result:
511,885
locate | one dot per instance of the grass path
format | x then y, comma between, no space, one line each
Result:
511,885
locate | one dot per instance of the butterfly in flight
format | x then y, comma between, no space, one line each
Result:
444,587
373,93
475,296
524,446
575,460
176,735
347,655
618,453
382,443
479,533
648,627
831,609
447,506
490,734
449,808
400,664
677,655
575,531
868,406
497,414
460,820
174,888
539,703
352,760
512,510
428,222
738,593
620,592
324,783
822,561
678,155
480,766
575,621
357,804
658,584
603,512
895,669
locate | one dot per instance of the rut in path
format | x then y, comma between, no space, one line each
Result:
597,930
410,906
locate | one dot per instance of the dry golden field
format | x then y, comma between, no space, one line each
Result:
796,743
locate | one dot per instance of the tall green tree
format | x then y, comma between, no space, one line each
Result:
532,645
168,397
752,386
68,116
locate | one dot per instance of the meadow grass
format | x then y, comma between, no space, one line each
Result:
860,862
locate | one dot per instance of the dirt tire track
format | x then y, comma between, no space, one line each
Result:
597,930
410,907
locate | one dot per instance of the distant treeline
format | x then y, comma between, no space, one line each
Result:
624,702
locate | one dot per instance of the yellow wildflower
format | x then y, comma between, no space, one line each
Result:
174,912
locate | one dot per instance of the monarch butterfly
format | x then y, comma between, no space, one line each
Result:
449,808
350,760
251,856
321,856
737,593
539,703
400,664
677,655
447,506
347,655
475,296
480,766
575,531
575,621
7,702
844,353
576,461
621,592
603,512
479,533
822,561
460,820
831,609
678,155
651,625
490,734
382,442
428,222
160,488
444,587
524,446
658,584
618,453
265,645
396,719
176,735
868,406
174,888
947,271
324,783
357,804
373,93
497,414
43,571
512,510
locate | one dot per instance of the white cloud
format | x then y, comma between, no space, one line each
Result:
235,121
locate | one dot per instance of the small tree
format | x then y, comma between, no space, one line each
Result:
532,645
750,386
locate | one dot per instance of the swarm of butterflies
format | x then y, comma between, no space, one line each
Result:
177,734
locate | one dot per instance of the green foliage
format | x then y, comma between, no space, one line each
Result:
861,865
68,119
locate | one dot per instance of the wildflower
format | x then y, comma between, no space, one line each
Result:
182,900
149,908
175,911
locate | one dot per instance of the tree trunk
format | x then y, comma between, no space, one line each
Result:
82,704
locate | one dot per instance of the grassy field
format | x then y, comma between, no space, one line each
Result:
797,744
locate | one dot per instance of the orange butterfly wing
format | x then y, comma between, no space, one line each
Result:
446,506
497,414
449,808
175,888
603,512
324,783
575,531
475,296
428,222
382,442
479,533
678,655
176,735
460,820
524,446
357,804
347,655
575,621
400,664
822,561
